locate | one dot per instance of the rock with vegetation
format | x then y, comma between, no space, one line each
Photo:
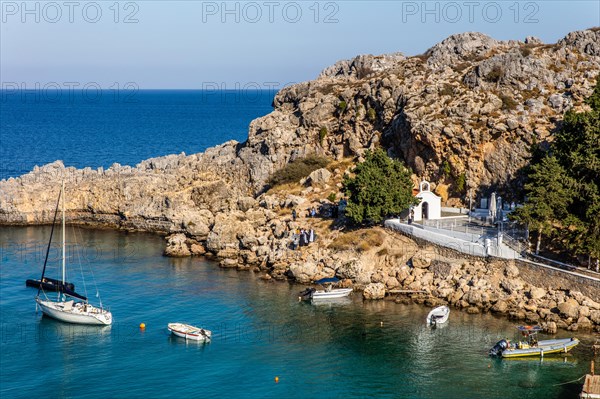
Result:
378,188
476,103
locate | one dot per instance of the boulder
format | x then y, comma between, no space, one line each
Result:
197,228
569,308
584,311
318,177
536,293
584,323
591,304
304,272
421,260
197,249
551,327
595,316
374,291
511,271
177,246
511,285
227,229
392,282
228,263
246,203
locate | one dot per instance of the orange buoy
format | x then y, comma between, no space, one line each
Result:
276,379
142,326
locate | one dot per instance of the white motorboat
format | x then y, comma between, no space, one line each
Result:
189,332
438,315
64,308
327,293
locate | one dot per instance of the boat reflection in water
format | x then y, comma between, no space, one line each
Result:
331,302
52,330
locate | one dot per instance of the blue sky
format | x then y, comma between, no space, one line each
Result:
196,44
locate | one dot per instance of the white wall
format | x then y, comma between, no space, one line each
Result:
434,205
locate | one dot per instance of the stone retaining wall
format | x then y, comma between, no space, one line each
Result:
541,276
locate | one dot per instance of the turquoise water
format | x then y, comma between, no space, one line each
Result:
260,331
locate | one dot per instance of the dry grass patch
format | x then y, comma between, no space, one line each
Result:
289,188
360,240
296,170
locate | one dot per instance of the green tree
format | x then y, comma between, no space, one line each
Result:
563,192
380,187
548,198
577,147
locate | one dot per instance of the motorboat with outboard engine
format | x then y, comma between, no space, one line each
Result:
327,293
531,346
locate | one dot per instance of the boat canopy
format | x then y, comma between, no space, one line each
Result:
529,329
327,280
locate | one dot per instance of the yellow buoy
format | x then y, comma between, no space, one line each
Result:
142,326
276,379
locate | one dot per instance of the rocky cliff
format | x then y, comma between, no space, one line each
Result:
470,106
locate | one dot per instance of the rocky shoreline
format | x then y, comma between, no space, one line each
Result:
470,101
435,277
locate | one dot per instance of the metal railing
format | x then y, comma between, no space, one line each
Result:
514,244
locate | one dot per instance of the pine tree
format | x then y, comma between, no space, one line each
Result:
548,198
381,187
577,147
563,193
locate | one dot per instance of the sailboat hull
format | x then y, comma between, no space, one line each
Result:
89,315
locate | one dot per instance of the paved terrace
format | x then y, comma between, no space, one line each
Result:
474,239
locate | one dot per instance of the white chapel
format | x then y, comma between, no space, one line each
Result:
430,206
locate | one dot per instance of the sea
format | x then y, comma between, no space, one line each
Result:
266,344
97,129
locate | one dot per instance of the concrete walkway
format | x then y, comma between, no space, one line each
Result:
468,244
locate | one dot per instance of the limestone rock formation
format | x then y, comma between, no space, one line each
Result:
473,101
374,291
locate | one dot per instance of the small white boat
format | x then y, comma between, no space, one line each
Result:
438,315
189,332
331,293
327,293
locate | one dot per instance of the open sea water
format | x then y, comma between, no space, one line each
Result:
88,128
350,349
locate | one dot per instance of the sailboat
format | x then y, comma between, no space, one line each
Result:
70,306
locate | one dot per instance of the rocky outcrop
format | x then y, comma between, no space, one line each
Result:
473,101
374,291
177,246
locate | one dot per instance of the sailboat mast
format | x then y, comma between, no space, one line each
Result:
63,232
